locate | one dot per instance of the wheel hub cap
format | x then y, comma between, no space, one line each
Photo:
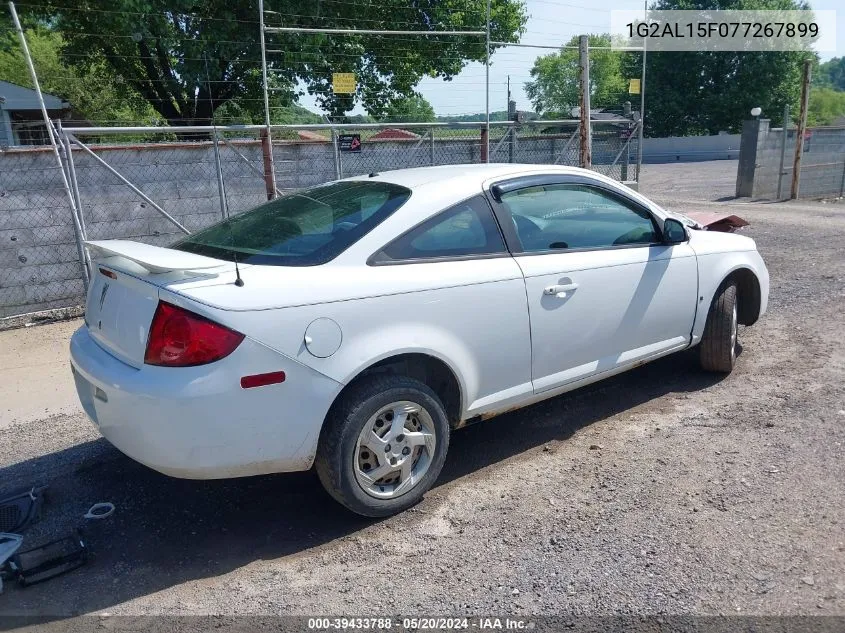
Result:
394,450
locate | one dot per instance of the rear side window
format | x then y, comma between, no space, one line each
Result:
306,228
466,229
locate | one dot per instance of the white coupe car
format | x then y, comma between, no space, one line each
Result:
353,325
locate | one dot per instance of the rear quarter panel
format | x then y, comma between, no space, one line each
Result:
470,314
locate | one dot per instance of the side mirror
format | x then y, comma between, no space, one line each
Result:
674,232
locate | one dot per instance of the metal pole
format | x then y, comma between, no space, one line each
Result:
336,150
123,179
799,134
642,103
63,151
71,171
221,187
487,87
512,142
77,227
431,146
271,181
783,149
575,134
842,184
585,158
71,168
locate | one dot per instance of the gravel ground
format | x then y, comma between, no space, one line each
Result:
661,491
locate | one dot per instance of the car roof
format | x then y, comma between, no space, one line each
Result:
469,174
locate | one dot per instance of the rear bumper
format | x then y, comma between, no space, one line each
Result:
197,422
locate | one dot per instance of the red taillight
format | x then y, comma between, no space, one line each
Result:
180,338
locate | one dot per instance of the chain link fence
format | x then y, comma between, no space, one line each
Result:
154,184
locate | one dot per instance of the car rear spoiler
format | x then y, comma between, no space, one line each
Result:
153,258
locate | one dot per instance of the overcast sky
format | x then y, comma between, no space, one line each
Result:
550,23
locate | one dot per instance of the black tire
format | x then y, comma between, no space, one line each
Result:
336,453
718,343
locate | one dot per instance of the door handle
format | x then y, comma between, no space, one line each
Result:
559,291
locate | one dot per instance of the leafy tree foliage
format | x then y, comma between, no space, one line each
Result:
95,92
555,86
831,74
826,106
409,109
187,59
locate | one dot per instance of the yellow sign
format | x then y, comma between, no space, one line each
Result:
633,86
343,83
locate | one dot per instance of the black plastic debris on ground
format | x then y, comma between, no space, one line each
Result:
49,560
20,509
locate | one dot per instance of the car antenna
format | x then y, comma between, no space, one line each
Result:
238,281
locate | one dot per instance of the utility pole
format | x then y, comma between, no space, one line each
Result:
802,126
586,135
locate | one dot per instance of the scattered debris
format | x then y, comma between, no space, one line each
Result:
9,544
100,511
20,509
596,447
49,560
716,221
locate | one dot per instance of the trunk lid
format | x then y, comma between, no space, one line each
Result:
124,291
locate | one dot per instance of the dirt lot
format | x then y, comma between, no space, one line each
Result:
664,490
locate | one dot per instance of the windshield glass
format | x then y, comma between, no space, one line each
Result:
306,228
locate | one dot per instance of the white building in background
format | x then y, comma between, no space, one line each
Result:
21,122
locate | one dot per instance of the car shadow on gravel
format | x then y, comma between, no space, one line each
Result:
167,531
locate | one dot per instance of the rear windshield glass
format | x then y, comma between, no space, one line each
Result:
306,228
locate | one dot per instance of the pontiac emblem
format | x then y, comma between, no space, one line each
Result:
103,295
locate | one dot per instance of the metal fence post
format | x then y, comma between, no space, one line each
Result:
842,184
783,149
627,159
338,168
431,146
221,187
511,140
585,156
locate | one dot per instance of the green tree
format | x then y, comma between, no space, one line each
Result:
705,92
831,74
410,109
826,106
93,90
555,85
187,58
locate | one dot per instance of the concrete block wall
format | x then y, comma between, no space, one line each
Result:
39,262
822,163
